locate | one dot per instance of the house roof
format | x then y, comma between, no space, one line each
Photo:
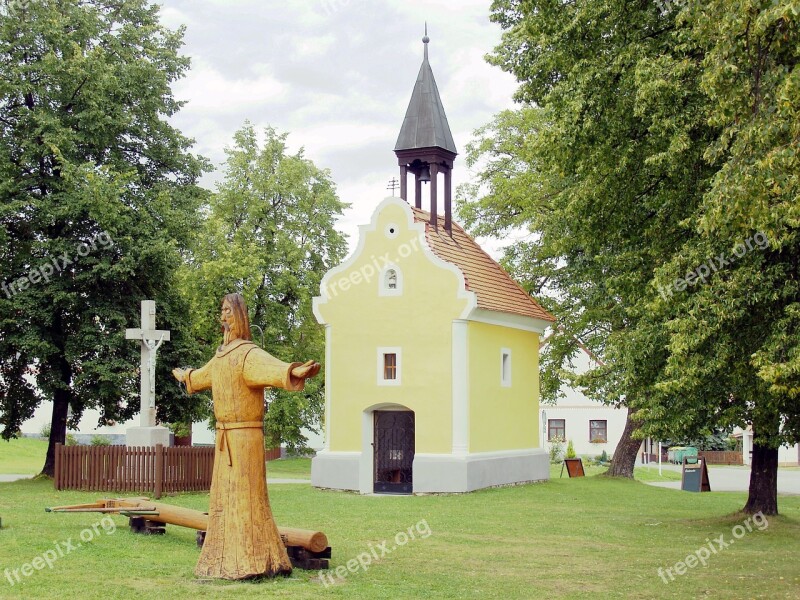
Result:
425,124
493,286
579,343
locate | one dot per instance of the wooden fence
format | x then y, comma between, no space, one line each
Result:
155,470
721,457
713,457
273,454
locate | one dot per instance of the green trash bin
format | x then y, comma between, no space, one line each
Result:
690,452
676,454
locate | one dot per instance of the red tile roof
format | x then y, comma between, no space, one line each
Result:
495,288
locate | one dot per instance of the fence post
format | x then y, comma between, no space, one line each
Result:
158,476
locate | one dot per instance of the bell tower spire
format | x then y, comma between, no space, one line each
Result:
425,146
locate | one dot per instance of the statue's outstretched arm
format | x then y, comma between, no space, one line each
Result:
306,370
196,380
261,369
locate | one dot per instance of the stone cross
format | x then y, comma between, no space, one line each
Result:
150,339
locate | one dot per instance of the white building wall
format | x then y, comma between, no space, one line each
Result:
787,455
577,410
201,434
576,420
88,424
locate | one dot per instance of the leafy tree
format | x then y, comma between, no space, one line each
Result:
96,184
270,235
734,335
655,139
601,164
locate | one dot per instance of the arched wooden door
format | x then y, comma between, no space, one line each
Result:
393,450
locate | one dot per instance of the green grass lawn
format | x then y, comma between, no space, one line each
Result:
289,468
22,456
26,456
646,474
568,538
300,468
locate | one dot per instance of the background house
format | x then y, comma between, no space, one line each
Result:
591,425
788,456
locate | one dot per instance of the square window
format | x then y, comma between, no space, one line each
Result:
556,429
598,431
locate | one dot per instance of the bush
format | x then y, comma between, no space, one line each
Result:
571,450
100,440
601,460
71,440
180,429
45,432
556,449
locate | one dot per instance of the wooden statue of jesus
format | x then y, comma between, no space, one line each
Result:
242,540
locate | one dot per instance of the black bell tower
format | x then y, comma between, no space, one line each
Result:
425,146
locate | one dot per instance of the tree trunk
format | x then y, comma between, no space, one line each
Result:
61,398
625,455
58,430
763,495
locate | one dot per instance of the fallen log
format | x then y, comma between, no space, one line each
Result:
314,541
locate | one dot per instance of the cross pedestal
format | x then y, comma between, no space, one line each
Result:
150,338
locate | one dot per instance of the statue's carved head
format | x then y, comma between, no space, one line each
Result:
234,319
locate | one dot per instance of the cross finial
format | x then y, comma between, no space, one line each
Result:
393,185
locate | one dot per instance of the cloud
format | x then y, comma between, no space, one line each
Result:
337,75
471,72
310,47
209,91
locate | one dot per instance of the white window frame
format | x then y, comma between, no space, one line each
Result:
383,350
505,367
383,288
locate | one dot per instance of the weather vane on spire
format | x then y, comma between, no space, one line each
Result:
426,39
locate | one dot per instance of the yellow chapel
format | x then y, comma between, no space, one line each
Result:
432,349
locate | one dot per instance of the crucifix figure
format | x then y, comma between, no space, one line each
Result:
152,347
150,339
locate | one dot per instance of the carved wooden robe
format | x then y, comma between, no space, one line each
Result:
242,539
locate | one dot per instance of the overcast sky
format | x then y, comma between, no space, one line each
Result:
337,75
